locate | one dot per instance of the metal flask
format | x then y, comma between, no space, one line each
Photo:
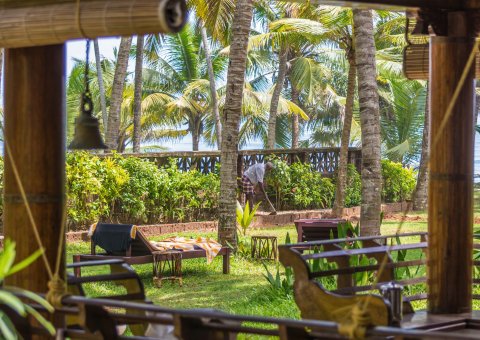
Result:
392,292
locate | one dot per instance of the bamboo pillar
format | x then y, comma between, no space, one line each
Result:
450,196
35,134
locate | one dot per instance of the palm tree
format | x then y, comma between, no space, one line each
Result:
216,18
402,118
113,126
369,121
213,86
282,72
231,118
137,101
101,86
420,196
178,67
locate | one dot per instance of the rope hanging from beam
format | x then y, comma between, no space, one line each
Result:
56,23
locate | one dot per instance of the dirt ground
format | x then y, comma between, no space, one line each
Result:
411,217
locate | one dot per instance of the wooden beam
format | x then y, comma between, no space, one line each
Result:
444,4
450,196
35,135
404,4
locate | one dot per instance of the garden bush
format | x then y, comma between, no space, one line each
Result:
122,189
398,182
135,190
93,186
298,187
353,189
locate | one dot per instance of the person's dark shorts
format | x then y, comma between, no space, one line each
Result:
247,186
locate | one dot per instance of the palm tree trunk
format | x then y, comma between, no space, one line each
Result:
101,86
295,123
477,104
420,195
369,122
117,93
339,203
272,119
1,68
213,87
231,120
137,94
196,134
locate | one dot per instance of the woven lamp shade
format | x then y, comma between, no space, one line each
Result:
416,61
55,23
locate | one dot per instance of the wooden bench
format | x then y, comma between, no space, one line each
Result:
140,252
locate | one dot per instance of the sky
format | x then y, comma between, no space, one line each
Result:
76,50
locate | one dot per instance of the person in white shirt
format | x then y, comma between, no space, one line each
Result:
254,176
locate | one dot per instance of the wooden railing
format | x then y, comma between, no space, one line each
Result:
100,316
323,160
404,255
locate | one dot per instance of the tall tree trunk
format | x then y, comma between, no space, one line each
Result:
213,87
117,93
1,68
295,123
196,134
101,85
272,119
137,95
369,121
231,120
420,195
339,203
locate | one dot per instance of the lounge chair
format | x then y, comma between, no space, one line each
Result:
126,242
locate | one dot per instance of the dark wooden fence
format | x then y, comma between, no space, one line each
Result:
323,160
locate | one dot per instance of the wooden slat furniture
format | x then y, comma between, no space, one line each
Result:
264,247
102,316
140,252
108,271
413,245
317,229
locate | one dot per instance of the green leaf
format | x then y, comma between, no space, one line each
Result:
41,320
13,302
7,257
32,296
7,328
25,262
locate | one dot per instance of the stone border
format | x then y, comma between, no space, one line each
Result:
263,220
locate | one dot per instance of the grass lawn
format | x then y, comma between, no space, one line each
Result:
244,291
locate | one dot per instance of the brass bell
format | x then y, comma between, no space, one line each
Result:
87,132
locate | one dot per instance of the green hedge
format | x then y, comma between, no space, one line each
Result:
398,182
135,190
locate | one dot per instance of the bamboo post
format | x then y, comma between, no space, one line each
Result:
35,135
450,196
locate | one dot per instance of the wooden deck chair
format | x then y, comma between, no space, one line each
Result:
138,250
